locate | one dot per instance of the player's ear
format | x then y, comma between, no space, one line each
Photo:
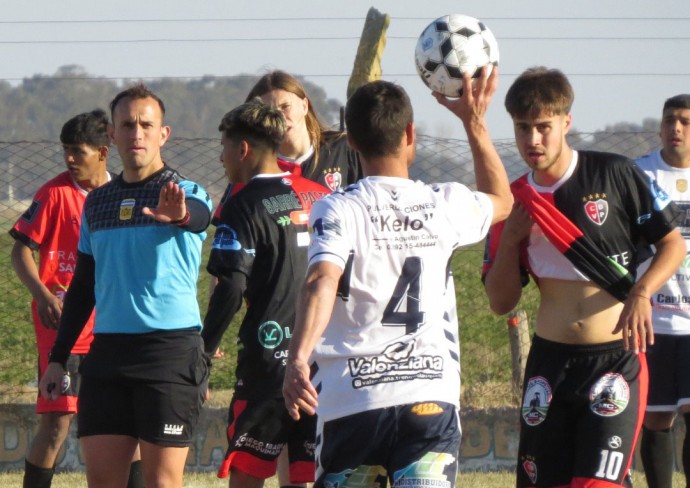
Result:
166,130
245,148
568,122
103,153
410,134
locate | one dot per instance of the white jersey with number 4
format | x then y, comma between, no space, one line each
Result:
392,336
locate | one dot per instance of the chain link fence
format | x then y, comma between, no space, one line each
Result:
486,354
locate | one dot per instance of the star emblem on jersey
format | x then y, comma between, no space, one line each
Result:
535,403
610,395
597,208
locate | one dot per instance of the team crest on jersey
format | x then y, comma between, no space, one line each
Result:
597,208
681,185
333,178
535,403
530,468
609,396
127,209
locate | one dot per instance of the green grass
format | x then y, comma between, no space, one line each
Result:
208,480
486,371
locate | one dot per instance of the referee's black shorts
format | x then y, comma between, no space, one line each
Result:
146,386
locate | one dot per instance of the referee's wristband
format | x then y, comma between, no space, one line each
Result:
183,221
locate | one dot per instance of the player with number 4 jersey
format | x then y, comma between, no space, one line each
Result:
375,349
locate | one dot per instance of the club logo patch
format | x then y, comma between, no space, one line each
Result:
681,185
536,401
609,396
333,180
530,468
127,209
597,210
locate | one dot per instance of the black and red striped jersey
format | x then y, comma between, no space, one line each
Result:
609,200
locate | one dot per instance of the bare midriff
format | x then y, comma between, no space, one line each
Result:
576,312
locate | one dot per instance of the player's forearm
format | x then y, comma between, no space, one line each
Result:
503,282
26,270
224,303
490,174
79,303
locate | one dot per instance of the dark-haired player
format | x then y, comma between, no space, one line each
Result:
669,357
373,324
259,254
51,227
576,226
143,379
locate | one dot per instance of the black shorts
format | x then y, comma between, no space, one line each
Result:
147,386
669,372
257,432
581,414
413,445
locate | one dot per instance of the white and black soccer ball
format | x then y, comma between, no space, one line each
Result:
451,45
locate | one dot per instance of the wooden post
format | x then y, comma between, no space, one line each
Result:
518,332
367,65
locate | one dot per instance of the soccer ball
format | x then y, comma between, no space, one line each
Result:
451,45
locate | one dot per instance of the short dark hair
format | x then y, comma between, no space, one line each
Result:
678,101
262,125
136,92
540,90
90,128
377,115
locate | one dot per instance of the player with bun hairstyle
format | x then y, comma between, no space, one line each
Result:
259,255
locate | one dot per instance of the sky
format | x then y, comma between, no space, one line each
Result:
622,58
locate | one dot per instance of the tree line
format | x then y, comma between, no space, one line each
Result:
36,108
